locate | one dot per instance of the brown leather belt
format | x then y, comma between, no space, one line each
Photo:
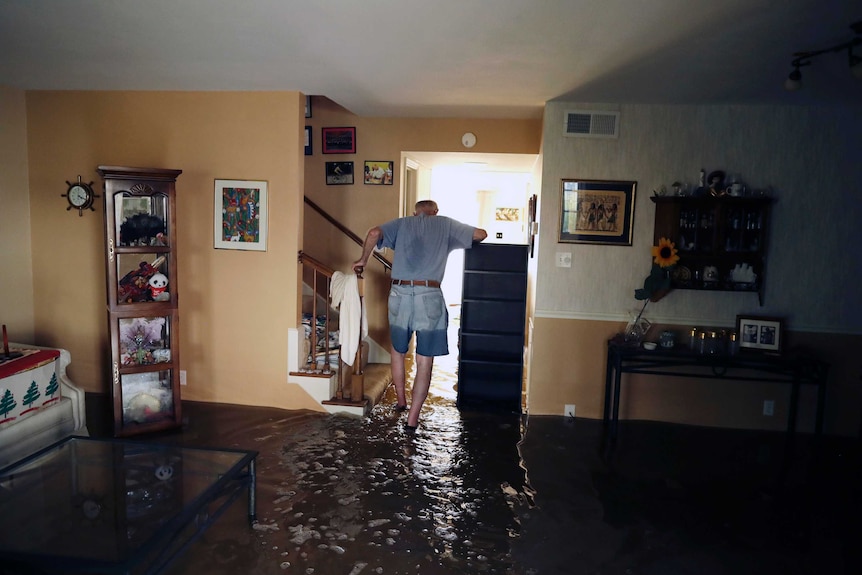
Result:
426,283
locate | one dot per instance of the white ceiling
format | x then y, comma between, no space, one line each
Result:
437,58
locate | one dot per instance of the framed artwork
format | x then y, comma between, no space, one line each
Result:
339,140
308,106
507,214
240,211
308,140
378,173
597,212
339,173
760,333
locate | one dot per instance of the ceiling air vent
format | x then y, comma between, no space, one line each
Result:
591,124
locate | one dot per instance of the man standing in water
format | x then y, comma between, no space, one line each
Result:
422,243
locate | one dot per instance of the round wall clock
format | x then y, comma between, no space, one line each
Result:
468,140
80,196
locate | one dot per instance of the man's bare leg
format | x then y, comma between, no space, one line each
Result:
398,375
420,387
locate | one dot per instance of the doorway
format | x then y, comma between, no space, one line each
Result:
490,191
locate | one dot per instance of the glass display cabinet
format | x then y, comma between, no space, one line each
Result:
143,297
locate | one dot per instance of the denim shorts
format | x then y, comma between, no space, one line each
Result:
422,310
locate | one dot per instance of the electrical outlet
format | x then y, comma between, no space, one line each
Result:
564,259
769,407
499,235
182,377
569,410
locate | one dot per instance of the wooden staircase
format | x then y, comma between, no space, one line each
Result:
346,389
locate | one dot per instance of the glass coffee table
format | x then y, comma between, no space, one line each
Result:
115,506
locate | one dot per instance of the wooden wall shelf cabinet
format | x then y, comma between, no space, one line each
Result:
493,317
143,297
721,241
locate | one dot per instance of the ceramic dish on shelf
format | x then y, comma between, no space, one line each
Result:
682,275
649,345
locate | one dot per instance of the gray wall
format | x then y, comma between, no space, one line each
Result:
811,158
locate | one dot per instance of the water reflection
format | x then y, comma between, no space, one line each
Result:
362,492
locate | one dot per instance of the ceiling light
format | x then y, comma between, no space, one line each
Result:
794,80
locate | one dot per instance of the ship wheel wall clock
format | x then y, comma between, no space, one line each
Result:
80,196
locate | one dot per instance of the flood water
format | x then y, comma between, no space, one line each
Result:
340,494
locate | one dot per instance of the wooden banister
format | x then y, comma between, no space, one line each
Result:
346,231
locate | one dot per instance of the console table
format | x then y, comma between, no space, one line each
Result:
795,370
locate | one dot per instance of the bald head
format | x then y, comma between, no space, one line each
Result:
427,207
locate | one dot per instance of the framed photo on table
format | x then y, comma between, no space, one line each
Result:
597,212
240,215
760,333
338,140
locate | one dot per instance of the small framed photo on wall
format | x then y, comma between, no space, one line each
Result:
339,173
338,140
308,141
378,173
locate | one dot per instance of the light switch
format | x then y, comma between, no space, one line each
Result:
564,259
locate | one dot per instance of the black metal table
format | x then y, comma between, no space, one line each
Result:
115,506
795,370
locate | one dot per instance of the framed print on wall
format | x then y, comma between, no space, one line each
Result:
597,212
378,173
240,212
760,333
339,173
338,140
308,140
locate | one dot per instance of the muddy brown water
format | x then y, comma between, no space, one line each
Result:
339,494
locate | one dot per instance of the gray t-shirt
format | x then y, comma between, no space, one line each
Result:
422,244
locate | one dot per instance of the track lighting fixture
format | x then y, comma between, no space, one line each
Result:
794,79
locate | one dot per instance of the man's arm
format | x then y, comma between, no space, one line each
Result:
367,247
479,235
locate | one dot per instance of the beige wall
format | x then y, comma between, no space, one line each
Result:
810,158
360,207
236,306
16,270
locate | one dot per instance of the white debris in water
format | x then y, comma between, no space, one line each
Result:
400,516
377,522
357,567
348,500
285,565
337,548
393,532
261,527
301,534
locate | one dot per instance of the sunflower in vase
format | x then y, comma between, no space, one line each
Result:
656,285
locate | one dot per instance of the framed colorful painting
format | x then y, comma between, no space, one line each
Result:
240,215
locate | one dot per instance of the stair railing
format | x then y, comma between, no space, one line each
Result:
321,276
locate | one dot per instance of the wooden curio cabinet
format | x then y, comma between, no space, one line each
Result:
143,297
721,241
